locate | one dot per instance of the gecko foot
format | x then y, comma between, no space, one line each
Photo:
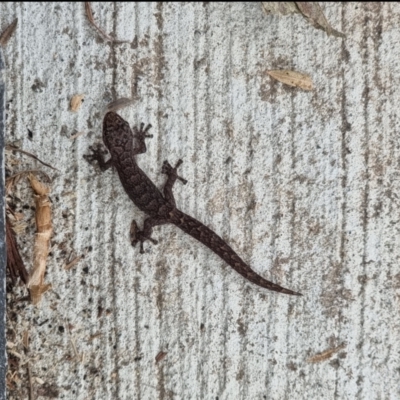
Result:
98,153
138,236
142,131
172,171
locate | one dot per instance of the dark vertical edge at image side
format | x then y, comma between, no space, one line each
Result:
3,357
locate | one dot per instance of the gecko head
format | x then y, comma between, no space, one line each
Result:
116,132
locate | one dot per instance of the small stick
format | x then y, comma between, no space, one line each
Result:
9,147
89,14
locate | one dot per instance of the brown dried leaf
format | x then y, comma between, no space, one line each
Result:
313,12
7,33
160,356
36,292
76,102
326,354
279,7
310,10
42,240
292,78
25,339
15,265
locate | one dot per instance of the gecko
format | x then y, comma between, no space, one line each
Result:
124,144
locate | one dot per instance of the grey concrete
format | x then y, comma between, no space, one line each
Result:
304,185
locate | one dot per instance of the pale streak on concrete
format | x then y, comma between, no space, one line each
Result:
304,185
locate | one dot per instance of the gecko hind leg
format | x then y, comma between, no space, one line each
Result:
172,177
140,236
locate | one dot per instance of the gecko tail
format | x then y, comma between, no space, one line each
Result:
210,239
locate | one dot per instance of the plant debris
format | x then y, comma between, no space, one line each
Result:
74,261
13,148
76,102
326,354
8,32
160,356
42,241
311,11
292,78
107,38
15,265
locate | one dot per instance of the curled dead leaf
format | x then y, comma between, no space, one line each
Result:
292,78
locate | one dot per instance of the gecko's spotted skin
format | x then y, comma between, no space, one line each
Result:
124,145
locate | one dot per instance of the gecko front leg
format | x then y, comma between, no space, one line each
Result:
98,153
140,134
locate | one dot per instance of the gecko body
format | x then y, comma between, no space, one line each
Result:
160,207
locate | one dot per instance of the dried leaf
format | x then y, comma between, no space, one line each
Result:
313,12
76,102
310,10
42,240
292,78
326,354
160,356
25,339
7,33
37,291
15,265
279,7
14,179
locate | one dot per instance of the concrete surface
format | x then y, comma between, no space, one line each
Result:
304,185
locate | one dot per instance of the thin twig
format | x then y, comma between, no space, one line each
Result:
104,35
9,147
77,355
75,260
